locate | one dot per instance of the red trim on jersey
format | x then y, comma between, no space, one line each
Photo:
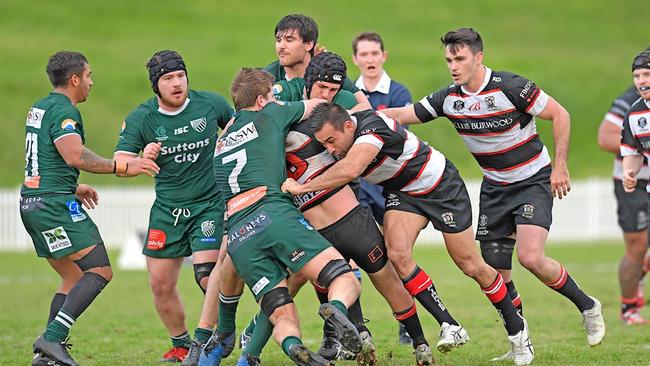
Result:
640,112
419,283
377,136
557,284
497,291
301,146
406,162
424,165
630,147
407,314
478,116
428,190
642,135
506,149
489,133
484,92
319,195
534,100
320,171
376,166
514,166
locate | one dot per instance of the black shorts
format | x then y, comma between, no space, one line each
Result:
632,208
357,237
503,207
447,207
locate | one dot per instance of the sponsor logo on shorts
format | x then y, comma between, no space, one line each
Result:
199,125
448,219
56,239
641,220
157,239
75,211
31,203
528,211
296,255
306,223
482,225
253,226
375,254
35,117
259,286
393,200
207,227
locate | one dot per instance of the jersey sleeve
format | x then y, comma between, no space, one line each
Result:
375,133
430,107
286,113
629,144
282,91
66,121
345,99
349,85
400,97
524,94
223,109
131,140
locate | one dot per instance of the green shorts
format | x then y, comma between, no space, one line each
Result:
58,224
176,232
270,240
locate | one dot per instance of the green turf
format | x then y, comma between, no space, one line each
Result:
578,51
122,327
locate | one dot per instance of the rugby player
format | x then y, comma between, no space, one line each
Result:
494,112
420,186
51,201
178,129
632,211
267,235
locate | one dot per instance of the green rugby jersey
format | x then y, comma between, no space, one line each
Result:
49,119
188,138
250,155
292,91
279,74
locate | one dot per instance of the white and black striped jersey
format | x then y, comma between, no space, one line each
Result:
404,162
635,139
306,159
615,115
496,123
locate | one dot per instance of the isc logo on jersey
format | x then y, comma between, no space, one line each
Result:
236,138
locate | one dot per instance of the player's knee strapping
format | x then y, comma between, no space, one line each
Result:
332,270
274,299
201,271
498,253
96,258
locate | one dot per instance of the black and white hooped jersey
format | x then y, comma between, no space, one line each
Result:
306,159
496,123
635,139
615,115
404,162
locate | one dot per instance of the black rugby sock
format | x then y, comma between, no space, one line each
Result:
55,305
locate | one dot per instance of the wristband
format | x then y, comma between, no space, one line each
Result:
120,167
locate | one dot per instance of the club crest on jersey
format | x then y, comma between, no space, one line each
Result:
490,102
199,125
161,134
56,239
448,219
458,105
277,89
68,124
35,117
528,211
642,122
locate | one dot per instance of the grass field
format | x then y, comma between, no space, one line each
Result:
578,51
122,327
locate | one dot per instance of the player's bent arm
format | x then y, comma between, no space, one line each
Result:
403,115
561,119
609,136
343,171
362,102
78,156
309,106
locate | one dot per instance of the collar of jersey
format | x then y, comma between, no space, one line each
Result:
383,85
486,80
176,112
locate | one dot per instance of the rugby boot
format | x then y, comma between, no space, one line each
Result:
331,349
346,332
40,360
522,348
175,354
55,351
248,360
404,337
368,354
508,356
304,357
633,317
640,295
193,354
423,355
217,347
592,320
450,337
246,335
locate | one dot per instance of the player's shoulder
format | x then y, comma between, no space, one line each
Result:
638,105
396,87
629,96
345,99
142,111
507,79
288,90
210,97
275,69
